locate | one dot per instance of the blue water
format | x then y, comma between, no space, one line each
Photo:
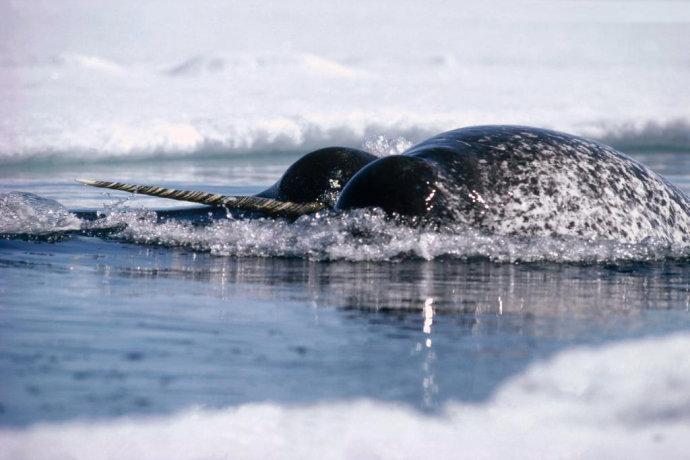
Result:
398,344
95,327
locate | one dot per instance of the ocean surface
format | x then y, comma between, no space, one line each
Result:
333,336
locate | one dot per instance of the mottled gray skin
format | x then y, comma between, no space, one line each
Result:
517,180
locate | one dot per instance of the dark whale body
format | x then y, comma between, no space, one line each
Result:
511,180
524,181
319,176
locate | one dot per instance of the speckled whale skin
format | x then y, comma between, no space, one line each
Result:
517,180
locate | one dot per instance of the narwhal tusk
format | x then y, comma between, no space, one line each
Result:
248,203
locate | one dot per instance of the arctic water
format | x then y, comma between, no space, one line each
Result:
333,336
156,318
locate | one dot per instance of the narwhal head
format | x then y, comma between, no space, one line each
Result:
430,181
311,184
319,176
398,184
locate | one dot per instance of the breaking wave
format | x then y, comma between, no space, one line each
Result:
29,214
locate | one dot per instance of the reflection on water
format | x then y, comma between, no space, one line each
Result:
454,286
428,383
93,328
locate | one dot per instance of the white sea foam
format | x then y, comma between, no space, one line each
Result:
368,235
358,235
623,400
26,213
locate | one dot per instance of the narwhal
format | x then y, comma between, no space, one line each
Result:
511,180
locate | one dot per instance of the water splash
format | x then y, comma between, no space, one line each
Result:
26,213
382,146
368,235
358,235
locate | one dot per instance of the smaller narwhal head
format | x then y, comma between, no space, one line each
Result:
398,184
309,185
319,176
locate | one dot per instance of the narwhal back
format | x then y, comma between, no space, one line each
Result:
526,181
